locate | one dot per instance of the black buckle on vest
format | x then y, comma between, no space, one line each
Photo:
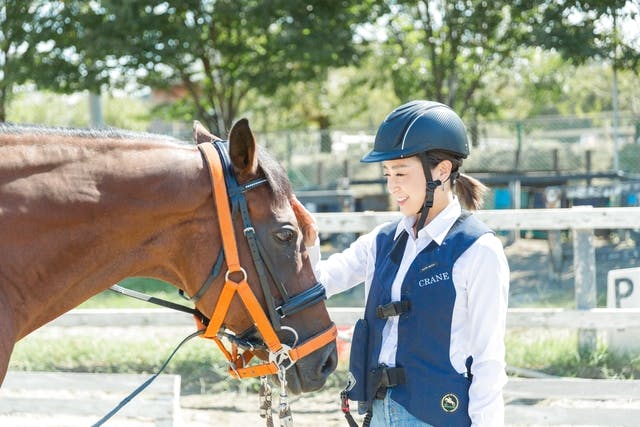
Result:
394,308
383,378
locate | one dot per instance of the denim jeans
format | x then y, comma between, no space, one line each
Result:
388,413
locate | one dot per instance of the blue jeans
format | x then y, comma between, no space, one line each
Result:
389,413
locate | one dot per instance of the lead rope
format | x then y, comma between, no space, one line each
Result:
266,412
145,384
286,420
346,410
266,401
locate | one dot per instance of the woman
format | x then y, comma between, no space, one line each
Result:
430,349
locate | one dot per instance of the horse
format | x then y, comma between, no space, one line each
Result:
82,209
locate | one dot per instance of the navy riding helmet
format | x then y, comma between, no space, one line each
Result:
419,126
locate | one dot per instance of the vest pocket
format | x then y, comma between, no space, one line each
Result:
358,360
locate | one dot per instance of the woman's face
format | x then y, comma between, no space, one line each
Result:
406,183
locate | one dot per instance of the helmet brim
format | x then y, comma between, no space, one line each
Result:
381,156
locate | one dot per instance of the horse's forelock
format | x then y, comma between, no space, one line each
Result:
275,174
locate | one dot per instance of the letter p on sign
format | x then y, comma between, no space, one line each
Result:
623,291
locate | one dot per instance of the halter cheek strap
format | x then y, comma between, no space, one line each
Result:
281,356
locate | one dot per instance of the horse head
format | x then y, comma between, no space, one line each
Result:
275,265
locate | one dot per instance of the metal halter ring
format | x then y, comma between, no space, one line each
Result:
282,358
242,270
293,332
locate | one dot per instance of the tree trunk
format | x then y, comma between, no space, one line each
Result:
3,101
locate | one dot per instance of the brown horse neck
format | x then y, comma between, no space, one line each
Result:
85,214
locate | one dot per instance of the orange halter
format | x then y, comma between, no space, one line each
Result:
281,356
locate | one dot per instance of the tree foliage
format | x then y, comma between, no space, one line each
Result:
216,51
582,30
219,56
443,50
17,46
451,51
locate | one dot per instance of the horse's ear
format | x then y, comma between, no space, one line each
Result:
242,148
201,134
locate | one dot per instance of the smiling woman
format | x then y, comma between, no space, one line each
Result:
429,350
82,210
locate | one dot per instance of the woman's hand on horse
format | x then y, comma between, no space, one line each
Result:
306,221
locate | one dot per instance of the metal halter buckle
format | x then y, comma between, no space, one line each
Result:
282,358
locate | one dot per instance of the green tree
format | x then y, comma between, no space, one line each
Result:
16,47
445,50
216,51
452,51
581,31
39,45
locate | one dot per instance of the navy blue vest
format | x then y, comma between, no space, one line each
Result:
434,391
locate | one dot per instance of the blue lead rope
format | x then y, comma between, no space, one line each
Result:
146,383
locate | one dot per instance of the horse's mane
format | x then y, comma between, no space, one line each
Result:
274,172
90,133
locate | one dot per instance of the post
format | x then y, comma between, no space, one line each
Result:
289,152
616,118
584,266
96,119
346,170
516,162
319,175
588,154
516,191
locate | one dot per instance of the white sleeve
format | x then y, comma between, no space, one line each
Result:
346,269
488,290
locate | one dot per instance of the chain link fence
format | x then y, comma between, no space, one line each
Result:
594,159
554,145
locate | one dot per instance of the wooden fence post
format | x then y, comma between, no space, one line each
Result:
584,266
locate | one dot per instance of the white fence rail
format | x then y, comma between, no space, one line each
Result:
551,318
581,217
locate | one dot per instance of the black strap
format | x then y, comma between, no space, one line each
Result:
145,384
157,301
468,364
346,410
392,377
304,299
215,271
394,308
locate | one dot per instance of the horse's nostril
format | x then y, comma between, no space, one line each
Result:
330,363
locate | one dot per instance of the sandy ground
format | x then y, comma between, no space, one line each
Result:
237,409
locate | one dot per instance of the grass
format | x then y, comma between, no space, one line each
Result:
556,353
203,368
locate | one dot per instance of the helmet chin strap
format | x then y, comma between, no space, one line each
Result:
428,202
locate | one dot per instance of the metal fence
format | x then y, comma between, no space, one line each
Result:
589,159
555,145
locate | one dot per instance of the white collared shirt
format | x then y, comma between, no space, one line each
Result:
481,278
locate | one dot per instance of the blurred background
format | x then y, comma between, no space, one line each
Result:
549,92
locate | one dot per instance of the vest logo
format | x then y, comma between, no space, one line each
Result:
439,277
428,267
449,402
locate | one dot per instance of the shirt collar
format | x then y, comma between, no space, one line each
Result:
439,226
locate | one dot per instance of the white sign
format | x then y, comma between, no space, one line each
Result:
623,291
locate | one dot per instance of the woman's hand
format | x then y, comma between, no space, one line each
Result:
306,221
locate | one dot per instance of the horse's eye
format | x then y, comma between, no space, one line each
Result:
285,234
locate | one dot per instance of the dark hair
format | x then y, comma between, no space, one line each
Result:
469,190
275,174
